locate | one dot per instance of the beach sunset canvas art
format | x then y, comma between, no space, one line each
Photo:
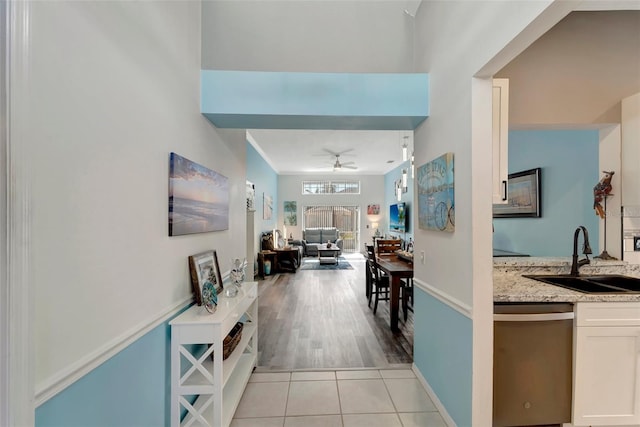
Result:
198,198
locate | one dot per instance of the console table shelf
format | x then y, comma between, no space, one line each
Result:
217,384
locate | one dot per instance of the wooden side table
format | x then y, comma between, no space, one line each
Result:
287,259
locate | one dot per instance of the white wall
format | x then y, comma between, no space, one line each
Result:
371,192
307,36
631,174
5,370
609,160
104,108
452,60
578,72
459,122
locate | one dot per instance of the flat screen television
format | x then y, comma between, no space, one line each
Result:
398,217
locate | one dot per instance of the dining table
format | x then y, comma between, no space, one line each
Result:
397,269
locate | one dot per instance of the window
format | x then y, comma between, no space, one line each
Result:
330,187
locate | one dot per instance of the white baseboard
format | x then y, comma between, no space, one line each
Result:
443,411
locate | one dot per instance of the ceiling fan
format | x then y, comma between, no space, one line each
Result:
346,165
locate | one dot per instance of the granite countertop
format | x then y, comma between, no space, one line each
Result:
510,286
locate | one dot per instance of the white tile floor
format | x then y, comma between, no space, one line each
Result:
355,398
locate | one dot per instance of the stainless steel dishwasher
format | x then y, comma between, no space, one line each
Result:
532,364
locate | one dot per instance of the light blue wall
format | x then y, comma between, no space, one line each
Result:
569,162
287,100
130,389
390,198
266,181
442,352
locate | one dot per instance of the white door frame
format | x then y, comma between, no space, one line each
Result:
4,282
17,365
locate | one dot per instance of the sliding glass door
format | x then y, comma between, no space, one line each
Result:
345,218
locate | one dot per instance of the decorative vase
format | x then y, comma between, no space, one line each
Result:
230,290
267,267
209,297
237,274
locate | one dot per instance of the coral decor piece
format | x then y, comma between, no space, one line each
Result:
601,191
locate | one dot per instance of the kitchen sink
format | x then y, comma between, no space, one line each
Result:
624,282
596,284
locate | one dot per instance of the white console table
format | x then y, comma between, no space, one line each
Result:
218,385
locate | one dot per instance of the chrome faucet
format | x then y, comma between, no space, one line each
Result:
586,250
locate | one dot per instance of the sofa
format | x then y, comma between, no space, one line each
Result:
312,238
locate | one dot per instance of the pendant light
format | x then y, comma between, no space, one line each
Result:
405,149
413,168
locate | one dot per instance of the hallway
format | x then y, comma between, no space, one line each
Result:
316,319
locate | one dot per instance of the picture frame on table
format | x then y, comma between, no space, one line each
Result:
524,191
204,267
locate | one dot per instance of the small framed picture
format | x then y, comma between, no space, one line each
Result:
203,267
636,243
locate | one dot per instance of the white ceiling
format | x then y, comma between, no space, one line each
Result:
294,152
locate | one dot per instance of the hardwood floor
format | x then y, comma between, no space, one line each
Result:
315,319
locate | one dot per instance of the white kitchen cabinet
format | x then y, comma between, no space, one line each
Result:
216,385
500,140
607,364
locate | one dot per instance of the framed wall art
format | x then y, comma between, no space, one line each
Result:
523,190
436,195
198,198
251,196
373,210
267,206
290,213
203,267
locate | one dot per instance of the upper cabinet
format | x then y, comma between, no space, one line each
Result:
500,140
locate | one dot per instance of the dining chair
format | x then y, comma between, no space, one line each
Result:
379,285
370,251
407,297
388,246
368,278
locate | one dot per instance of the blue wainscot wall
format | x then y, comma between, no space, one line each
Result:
442,352
130,389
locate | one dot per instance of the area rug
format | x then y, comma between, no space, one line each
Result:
314,264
